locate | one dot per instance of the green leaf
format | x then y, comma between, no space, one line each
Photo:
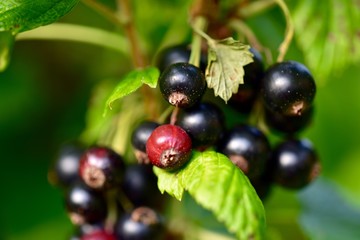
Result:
22,15
328,34
218,185
131,82
225,70
6,46
326,214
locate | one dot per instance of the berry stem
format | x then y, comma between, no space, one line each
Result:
255,7
174,114
200,24
289,31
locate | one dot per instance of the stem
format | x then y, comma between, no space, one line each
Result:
200,24
289,31
255,8
174,114
241,26
77,33
124,12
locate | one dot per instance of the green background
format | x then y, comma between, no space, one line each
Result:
44,95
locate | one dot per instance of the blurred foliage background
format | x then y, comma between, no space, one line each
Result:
44,95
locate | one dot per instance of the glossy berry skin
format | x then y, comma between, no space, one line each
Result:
140,186
66,166
204,122
182,84
140,224
139,138
288,125
169,147
85,205
288,88
294,164
247,147
244,99
101,168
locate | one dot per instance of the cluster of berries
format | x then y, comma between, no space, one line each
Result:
108,199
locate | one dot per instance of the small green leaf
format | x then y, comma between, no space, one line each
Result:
328,34
131,82
6,45
22,15
225,70
218,185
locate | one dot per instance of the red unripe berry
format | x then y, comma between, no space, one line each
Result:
169,147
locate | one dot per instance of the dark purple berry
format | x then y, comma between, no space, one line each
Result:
66,167
288,88
294,164
244,99
101,168
204,122
182,84
85,205
139,138
169,147
140,186
247,147
142,223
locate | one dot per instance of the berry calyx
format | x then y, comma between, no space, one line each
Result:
101,168
294,164
169,147
288,88
182,84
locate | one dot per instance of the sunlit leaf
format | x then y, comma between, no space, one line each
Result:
218,185
225,70
328,34
6,45
21,15
131,82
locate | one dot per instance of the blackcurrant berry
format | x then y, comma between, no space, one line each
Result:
182,84
85,205
247,147
140,186
176,54
288,124
244,99
101,167
169,147
288,88
139,138
294,163
142,223
204,122
66,166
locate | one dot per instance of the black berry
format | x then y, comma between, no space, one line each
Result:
288,88
140,186
101,168
244,99
247,147
66,166
141,224
204,122
182,84
169,147
294,164
85,205
139,138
